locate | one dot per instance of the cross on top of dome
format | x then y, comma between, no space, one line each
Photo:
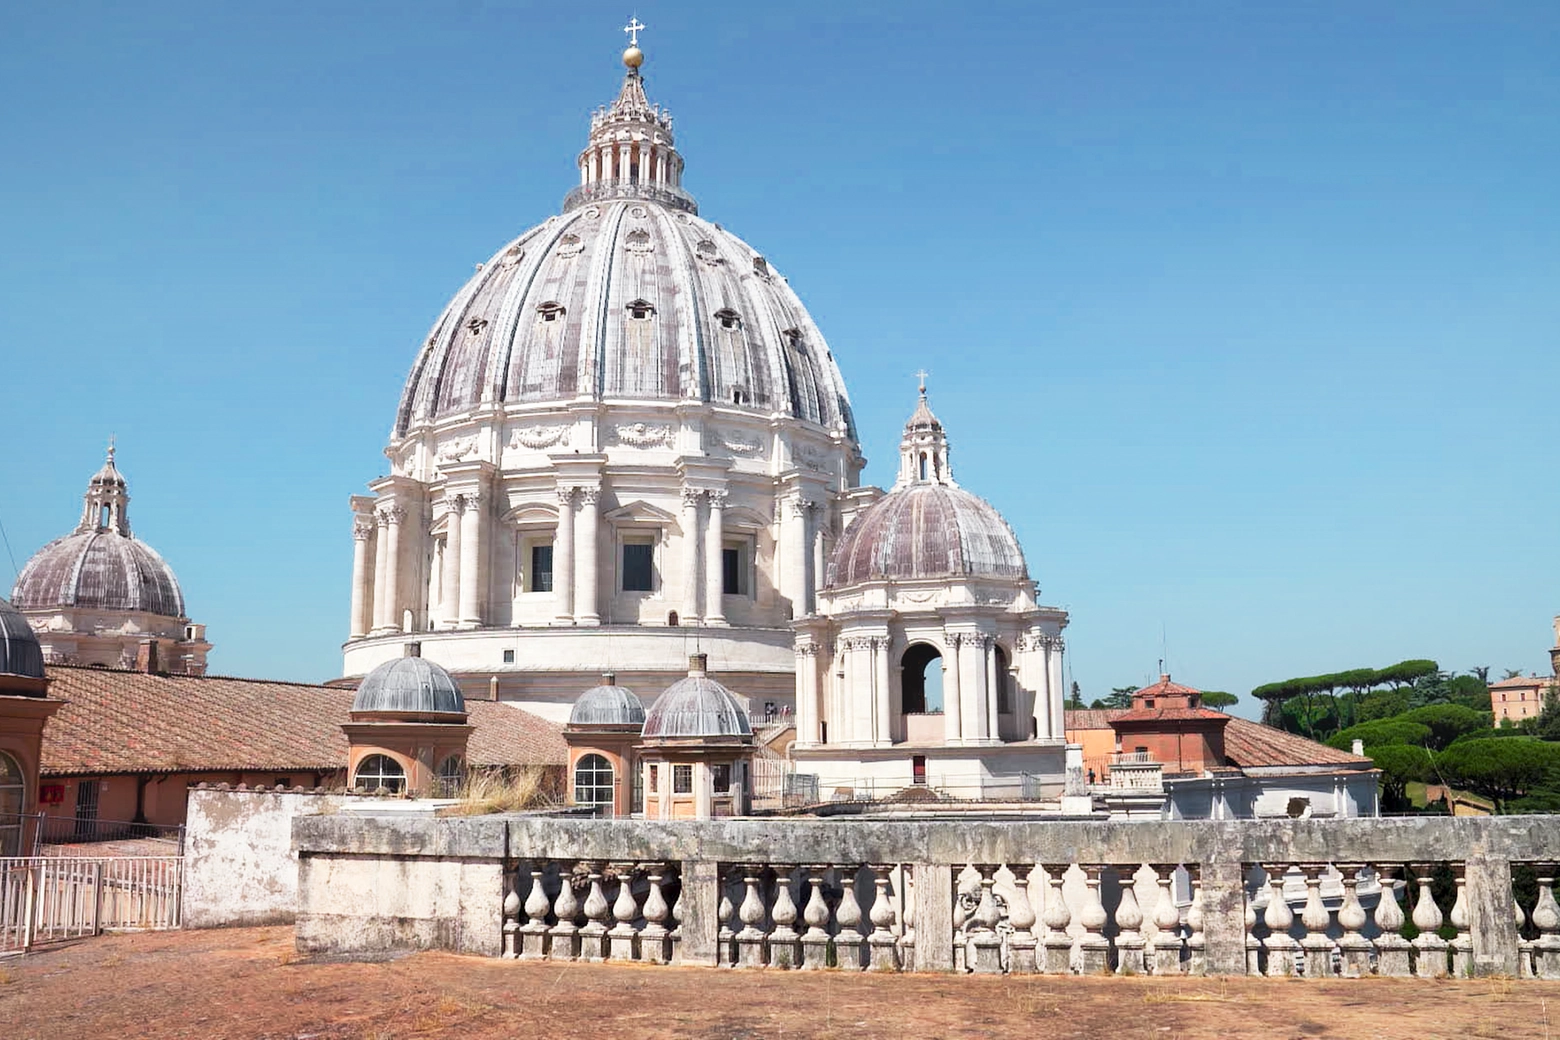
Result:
631,153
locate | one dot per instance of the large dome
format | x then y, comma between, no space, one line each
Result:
99,570
927,531
100,565
626,296
626,299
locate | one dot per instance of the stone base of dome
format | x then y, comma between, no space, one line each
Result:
1030,770
550,667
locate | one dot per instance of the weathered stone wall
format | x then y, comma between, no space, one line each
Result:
240,867
376,883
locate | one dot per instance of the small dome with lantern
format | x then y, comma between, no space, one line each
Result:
697,708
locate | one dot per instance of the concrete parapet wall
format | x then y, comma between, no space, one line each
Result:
368,884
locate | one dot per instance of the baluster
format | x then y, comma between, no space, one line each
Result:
1317,944
784,944
750,940
1391,948
624,909
1196,941
1021,915
1429,948
1056,917
1167,923
533,934
674,937
725,954
1129,922
593,936
984,945
1546,918
907,895
1278,918
1462,943
881,955
654,939
847,941
1351,918
565,934
815,941
1093,947
511,911
964,904
1253,944
1524,945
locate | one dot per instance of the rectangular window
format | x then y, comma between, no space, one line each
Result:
720,777
918,769
655,776
731,568
682,779
509,657
639,565
542,567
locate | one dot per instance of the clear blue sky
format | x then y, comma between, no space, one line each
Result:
1244,314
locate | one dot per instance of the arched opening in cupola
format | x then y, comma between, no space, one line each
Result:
921,681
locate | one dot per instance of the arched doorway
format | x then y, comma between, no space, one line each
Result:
921,679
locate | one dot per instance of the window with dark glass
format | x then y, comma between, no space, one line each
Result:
731,582
682,779
638,567
542,568
720,777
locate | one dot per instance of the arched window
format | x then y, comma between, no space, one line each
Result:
13,793
452,776
593,781
921,679
1004,681
923,465
380,772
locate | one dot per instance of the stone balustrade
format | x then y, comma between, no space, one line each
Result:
1315,898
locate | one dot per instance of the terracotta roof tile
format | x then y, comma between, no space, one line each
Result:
132,722
1089,718
1250,744
1171,714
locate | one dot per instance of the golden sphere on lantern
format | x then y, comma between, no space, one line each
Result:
633,57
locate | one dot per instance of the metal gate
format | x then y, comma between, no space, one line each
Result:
52,899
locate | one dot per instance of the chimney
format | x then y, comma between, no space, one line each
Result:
492,687
412,650
146,657
698,664
609,678
1359,747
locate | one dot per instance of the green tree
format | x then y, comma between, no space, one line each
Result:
1501,769
1120,697
1400,764
1382,733
1447,722
1382,704
1218,700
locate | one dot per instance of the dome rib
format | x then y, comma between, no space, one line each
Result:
99,570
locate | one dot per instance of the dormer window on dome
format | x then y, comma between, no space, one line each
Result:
641,310
728,318
761,267
552,310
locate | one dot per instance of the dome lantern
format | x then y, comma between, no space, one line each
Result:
923,449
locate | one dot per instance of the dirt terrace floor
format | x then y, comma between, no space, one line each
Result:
249,983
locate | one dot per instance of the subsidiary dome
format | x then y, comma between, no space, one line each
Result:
628,295
927,526
20,653
409,684
608,705
697,707
100,565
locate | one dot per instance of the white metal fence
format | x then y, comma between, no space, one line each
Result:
55,898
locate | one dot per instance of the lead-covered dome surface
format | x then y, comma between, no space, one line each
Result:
608,705
927,531
409,684
99,570
20,653
697,706
626,299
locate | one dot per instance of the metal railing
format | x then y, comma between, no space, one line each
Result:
50,899
72,830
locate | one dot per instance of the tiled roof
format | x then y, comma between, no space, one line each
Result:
1089,718
1524,680
132,722
1252,745
1163,686
1173,713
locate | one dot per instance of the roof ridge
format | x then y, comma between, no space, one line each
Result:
186,675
